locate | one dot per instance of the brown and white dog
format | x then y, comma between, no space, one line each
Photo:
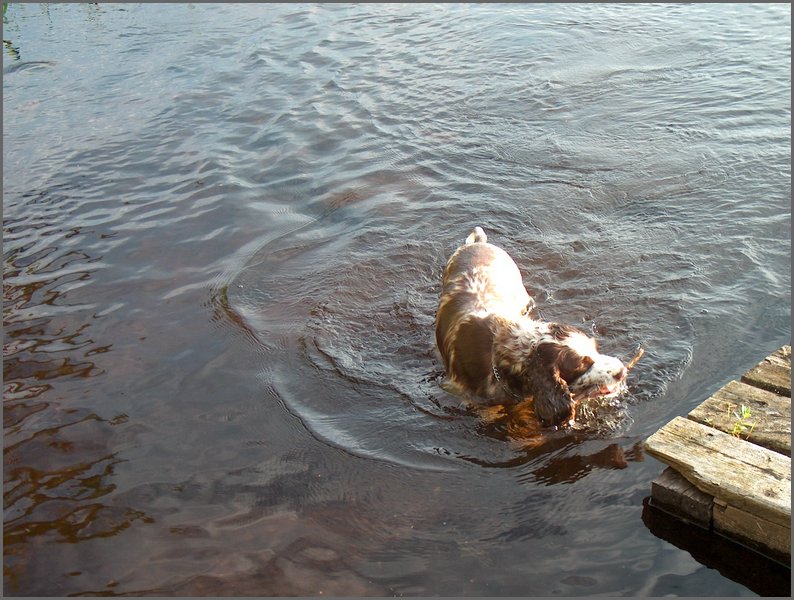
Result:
492,348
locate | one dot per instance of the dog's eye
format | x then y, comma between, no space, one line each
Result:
572,366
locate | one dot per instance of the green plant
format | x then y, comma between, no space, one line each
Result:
742,423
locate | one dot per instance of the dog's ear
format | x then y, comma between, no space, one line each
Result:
553,400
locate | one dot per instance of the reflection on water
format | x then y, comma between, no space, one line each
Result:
222,245
61,488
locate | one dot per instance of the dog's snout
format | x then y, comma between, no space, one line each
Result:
621,374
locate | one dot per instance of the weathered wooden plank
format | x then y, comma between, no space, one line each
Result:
753,531
744,475
769,423
674,494
773,373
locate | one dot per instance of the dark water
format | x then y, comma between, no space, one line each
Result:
223,232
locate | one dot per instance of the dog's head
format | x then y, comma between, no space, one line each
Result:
565,368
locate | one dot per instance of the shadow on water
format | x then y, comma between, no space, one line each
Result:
760,574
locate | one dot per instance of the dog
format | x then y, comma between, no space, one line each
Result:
492,348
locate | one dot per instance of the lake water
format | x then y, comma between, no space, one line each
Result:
223,233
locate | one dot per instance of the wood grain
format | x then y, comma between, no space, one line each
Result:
743,475
773,373
769,423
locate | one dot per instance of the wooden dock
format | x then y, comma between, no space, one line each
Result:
730,460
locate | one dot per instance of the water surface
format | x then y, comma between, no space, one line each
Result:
223,233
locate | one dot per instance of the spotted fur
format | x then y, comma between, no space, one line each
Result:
493,349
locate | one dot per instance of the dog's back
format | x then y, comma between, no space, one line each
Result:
485,277
494,349
481,283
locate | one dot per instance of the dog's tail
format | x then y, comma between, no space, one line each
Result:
477,236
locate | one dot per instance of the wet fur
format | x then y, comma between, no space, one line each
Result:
493,349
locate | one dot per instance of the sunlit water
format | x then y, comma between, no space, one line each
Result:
223,233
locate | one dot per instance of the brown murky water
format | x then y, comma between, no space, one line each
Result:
223,232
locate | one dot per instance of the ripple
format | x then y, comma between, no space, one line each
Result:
352,350
222,255
28,66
